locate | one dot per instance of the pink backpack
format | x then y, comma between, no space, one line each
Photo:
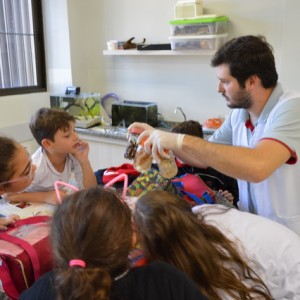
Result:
25,254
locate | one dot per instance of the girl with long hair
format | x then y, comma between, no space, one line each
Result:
91,238
229,254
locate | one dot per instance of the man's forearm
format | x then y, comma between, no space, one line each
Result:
249,164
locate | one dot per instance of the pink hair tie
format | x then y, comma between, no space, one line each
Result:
77,262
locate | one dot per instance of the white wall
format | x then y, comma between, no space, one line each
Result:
172,81
76,32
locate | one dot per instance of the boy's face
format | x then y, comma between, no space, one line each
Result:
65,140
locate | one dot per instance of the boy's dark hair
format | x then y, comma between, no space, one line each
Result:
46,122
190,127
246,56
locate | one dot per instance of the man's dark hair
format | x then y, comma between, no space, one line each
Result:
246,56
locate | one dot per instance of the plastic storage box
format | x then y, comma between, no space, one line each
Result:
200,42
200,26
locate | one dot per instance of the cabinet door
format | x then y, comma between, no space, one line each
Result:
105,152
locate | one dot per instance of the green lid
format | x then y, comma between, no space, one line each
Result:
199,20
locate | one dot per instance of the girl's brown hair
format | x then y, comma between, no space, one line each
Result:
169,231
8,150
95,226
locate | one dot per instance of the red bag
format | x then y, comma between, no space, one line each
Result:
113,172
194,189
25,254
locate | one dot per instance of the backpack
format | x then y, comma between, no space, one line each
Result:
25,254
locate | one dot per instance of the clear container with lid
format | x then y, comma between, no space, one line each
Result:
204,25
167,166
143,160
132,143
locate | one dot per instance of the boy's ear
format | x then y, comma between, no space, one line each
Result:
46,143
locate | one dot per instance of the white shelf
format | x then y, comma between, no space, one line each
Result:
158,52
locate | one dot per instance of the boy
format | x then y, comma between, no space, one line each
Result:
60,154
214,179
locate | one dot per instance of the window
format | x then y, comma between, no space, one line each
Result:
22,54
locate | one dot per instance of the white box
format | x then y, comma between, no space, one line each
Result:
198,42
203,25
188,10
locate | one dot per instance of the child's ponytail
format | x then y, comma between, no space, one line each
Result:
77,283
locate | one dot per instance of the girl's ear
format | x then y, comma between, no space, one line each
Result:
134,237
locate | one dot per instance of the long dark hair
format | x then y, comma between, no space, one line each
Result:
95,226
169,231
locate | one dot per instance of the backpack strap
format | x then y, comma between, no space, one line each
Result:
28,248
195,198
29,221
7,282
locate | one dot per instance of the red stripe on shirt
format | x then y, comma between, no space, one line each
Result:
293,159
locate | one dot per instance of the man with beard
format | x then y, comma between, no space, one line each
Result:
258,143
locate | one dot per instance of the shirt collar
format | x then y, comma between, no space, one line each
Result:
270,104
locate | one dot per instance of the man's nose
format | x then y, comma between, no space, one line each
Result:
220,88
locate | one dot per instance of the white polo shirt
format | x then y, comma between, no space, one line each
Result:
278,196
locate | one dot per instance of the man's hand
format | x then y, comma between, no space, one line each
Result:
159,141
5,221
141,126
